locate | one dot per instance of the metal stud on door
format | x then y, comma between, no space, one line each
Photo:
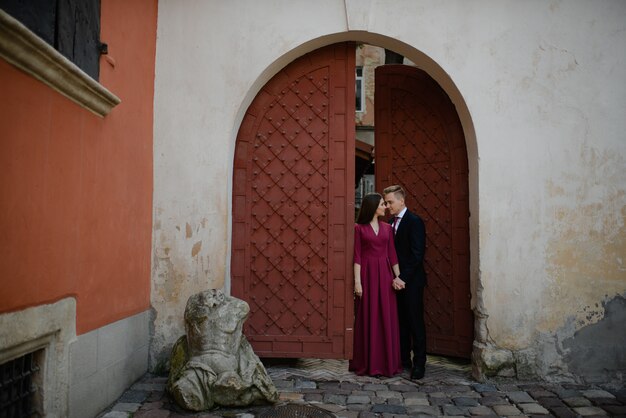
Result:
292,208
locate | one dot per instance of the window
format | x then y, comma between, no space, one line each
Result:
360,94
72,27
20,386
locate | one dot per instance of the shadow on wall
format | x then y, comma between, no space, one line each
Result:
599,349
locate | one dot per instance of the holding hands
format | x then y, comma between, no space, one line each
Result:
398,283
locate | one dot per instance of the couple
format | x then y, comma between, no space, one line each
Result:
389,282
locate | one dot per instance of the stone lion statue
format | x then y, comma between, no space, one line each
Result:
214,364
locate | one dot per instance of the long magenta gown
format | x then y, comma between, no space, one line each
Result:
376,348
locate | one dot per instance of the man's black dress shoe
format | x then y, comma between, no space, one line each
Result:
417,373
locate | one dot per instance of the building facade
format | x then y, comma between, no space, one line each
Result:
537,89
112,215
76,211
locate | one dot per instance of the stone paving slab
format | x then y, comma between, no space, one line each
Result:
550,402
595,393
341,393
563,412
533,409
480,410
519,397
577,401
493,401
452,410
589,411
416,401
506,410
126,407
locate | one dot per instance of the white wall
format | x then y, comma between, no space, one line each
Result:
540,90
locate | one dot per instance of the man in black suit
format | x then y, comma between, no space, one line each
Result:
410,240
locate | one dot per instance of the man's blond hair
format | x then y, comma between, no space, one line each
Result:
397,190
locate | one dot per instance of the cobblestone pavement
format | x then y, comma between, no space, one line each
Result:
446,390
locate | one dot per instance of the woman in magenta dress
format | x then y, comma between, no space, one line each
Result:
376,349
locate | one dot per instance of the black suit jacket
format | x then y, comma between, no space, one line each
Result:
410,240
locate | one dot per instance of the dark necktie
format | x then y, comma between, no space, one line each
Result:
395,222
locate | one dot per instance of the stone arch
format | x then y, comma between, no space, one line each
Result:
438,73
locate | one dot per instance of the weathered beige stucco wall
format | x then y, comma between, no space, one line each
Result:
540,92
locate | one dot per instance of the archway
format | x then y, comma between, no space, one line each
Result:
446,84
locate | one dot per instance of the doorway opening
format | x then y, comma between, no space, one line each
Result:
368,58
407,132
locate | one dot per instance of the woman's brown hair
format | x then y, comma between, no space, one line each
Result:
369,205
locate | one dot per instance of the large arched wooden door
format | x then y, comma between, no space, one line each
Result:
293,194
420,145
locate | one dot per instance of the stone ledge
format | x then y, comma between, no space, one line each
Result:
25,50
52,327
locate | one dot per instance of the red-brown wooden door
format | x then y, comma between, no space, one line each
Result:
293,194
420,145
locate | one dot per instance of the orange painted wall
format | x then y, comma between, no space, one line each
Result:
76,189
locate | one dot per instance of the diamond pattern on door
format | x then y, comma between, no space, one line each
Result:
293,162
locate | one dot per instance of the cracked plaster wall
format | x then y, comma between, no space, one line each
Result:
540,92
